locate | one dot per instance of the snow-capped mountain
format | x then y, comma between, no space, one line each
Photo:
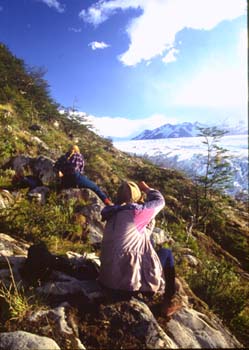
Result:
170,131
185,129
188,155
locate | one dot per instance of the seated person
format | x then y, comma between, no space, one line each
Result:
129,263
70,168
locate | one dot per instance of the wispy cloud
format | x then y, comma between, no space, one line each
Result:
102,10
75,30
95,45
153,32
55,4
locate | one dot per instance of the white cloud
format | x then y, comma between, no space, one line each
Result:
102,10
93,16
155,29
219,84
98,45
124,127
219,87
55,4
171,56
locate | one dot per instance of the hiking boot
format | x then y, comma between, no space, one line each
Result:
170,307
107,201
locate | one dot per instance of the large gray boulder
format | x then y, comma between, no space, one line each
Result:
42,167
92,225
190,329
134,320
26,341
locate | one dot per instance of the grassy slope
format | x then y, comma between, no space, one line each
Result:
225,244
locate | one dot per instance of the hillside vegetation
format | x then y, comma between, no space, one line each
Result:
31,124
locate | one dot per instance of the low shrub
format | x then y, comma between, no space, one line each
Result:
36,222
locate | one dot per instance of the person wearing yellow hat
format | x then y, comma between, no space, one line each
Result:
70,169
128,192
129,262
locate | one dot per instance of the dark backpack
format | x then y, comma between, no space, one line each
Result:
38,265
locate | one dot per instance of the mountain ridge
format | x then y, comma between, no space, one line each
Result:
185,129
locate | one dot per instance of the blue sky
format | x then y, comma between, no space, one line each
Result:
136,64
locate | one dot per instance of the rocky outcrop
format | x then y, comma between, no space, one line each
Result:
63,320
193,330
133,319
89,213
72,300
41,167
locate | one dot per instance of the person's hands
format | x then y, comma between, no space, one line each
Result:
60,174
143,187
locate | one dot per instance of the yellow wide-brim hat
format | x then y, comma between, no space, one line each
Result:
128,192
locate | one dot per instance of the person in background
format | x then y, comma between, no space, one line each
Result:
70,168
129,262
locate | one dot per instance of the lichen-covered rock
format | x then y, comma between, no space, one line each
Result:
10,246
190,329
134,319
6,199
62,285
160,236
13,254
38,141
93,226
39,194
65,325
26,341
41,167
79,259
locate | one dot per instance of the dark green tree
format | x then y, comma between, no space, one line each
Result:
217,173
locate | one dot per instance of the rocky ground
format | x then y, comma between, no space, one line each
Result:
71,311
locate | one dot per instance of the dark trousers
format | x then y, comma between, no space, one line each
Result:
167,261
81,181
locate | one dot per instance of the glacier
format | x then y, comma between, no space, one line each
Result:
187,154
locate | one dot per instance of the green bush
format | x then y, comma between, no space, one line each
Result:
37,222
240,323
223,290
